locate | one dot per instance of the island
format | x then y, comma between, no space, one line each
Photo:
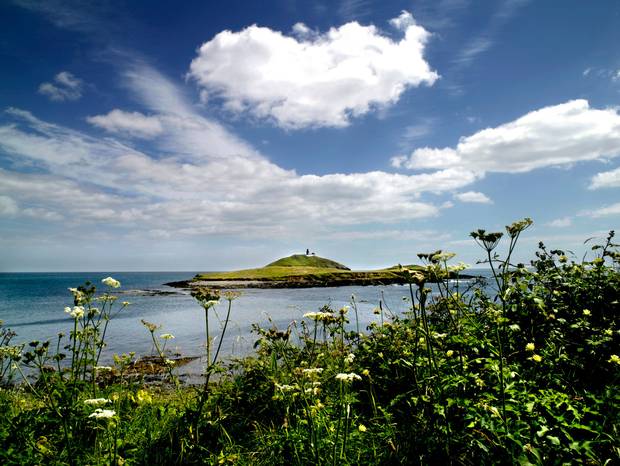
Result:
298,271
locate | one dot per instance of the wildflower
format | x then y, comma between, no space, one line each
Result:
169,362
348,378
586,312
450,353
231,295
530,347
206,297
103,413
614,359
96,401
362,428
313,391
320,316
442,256
166,336
313,371
77,312
536,358
109,281
458,267
285,388
143,396
366,372
78,296
349,358
151,327
125,303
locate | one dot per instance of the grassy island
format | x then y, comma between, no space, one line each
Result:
298,271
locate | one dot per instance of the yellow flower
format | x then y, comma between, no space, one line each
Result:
586,312
449,353
536,358
143,396
614,359
530,347
366,372
362,428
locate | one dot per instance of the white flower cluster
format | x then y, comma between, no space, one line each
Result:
166,336
112,283
319,316
96,401
103,413
348,378
77,312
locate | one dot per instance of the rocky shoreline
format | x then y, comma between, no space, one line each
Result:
296,282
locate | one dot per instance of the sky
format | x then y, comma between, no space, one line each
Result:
205,135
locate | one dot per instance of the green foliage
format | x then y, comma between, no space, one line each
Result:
524,370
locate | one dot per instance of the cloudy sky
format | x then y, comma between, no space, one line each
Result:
140,135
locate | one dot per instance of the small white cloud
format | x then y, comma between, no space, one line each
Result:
8,207
65,87
563,222
586,72
313,80
613,209
473,197
608,179
131,123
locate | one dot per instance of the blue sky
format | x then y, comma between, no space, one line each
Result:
141,135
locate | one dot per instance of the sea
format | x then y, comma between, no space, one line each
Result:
32,305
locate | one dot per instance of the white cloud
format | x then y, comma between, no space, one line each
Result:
65,87
8,206
552,136
320,80
605,211
608,179
473,197
131,123
562,222
199,179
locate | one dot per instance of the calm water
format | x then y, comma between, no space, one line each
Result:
32,305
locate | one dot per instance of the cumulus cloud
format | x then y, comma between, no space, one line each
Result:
608,179
197,178
65,87
558,135
313,79
605,211
562,222
131,123
473,197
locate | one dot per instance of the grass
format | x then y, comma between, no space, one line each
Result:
301,260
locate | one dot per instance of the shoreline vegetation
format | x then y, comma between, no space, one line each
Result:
301,271
524,372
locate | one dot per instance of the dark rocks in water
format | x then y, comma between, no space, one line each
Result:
148,292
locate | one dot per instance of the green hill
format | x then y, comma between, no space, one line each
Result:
302,260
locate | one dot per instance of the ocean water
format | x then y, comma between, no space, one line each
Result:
32,304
